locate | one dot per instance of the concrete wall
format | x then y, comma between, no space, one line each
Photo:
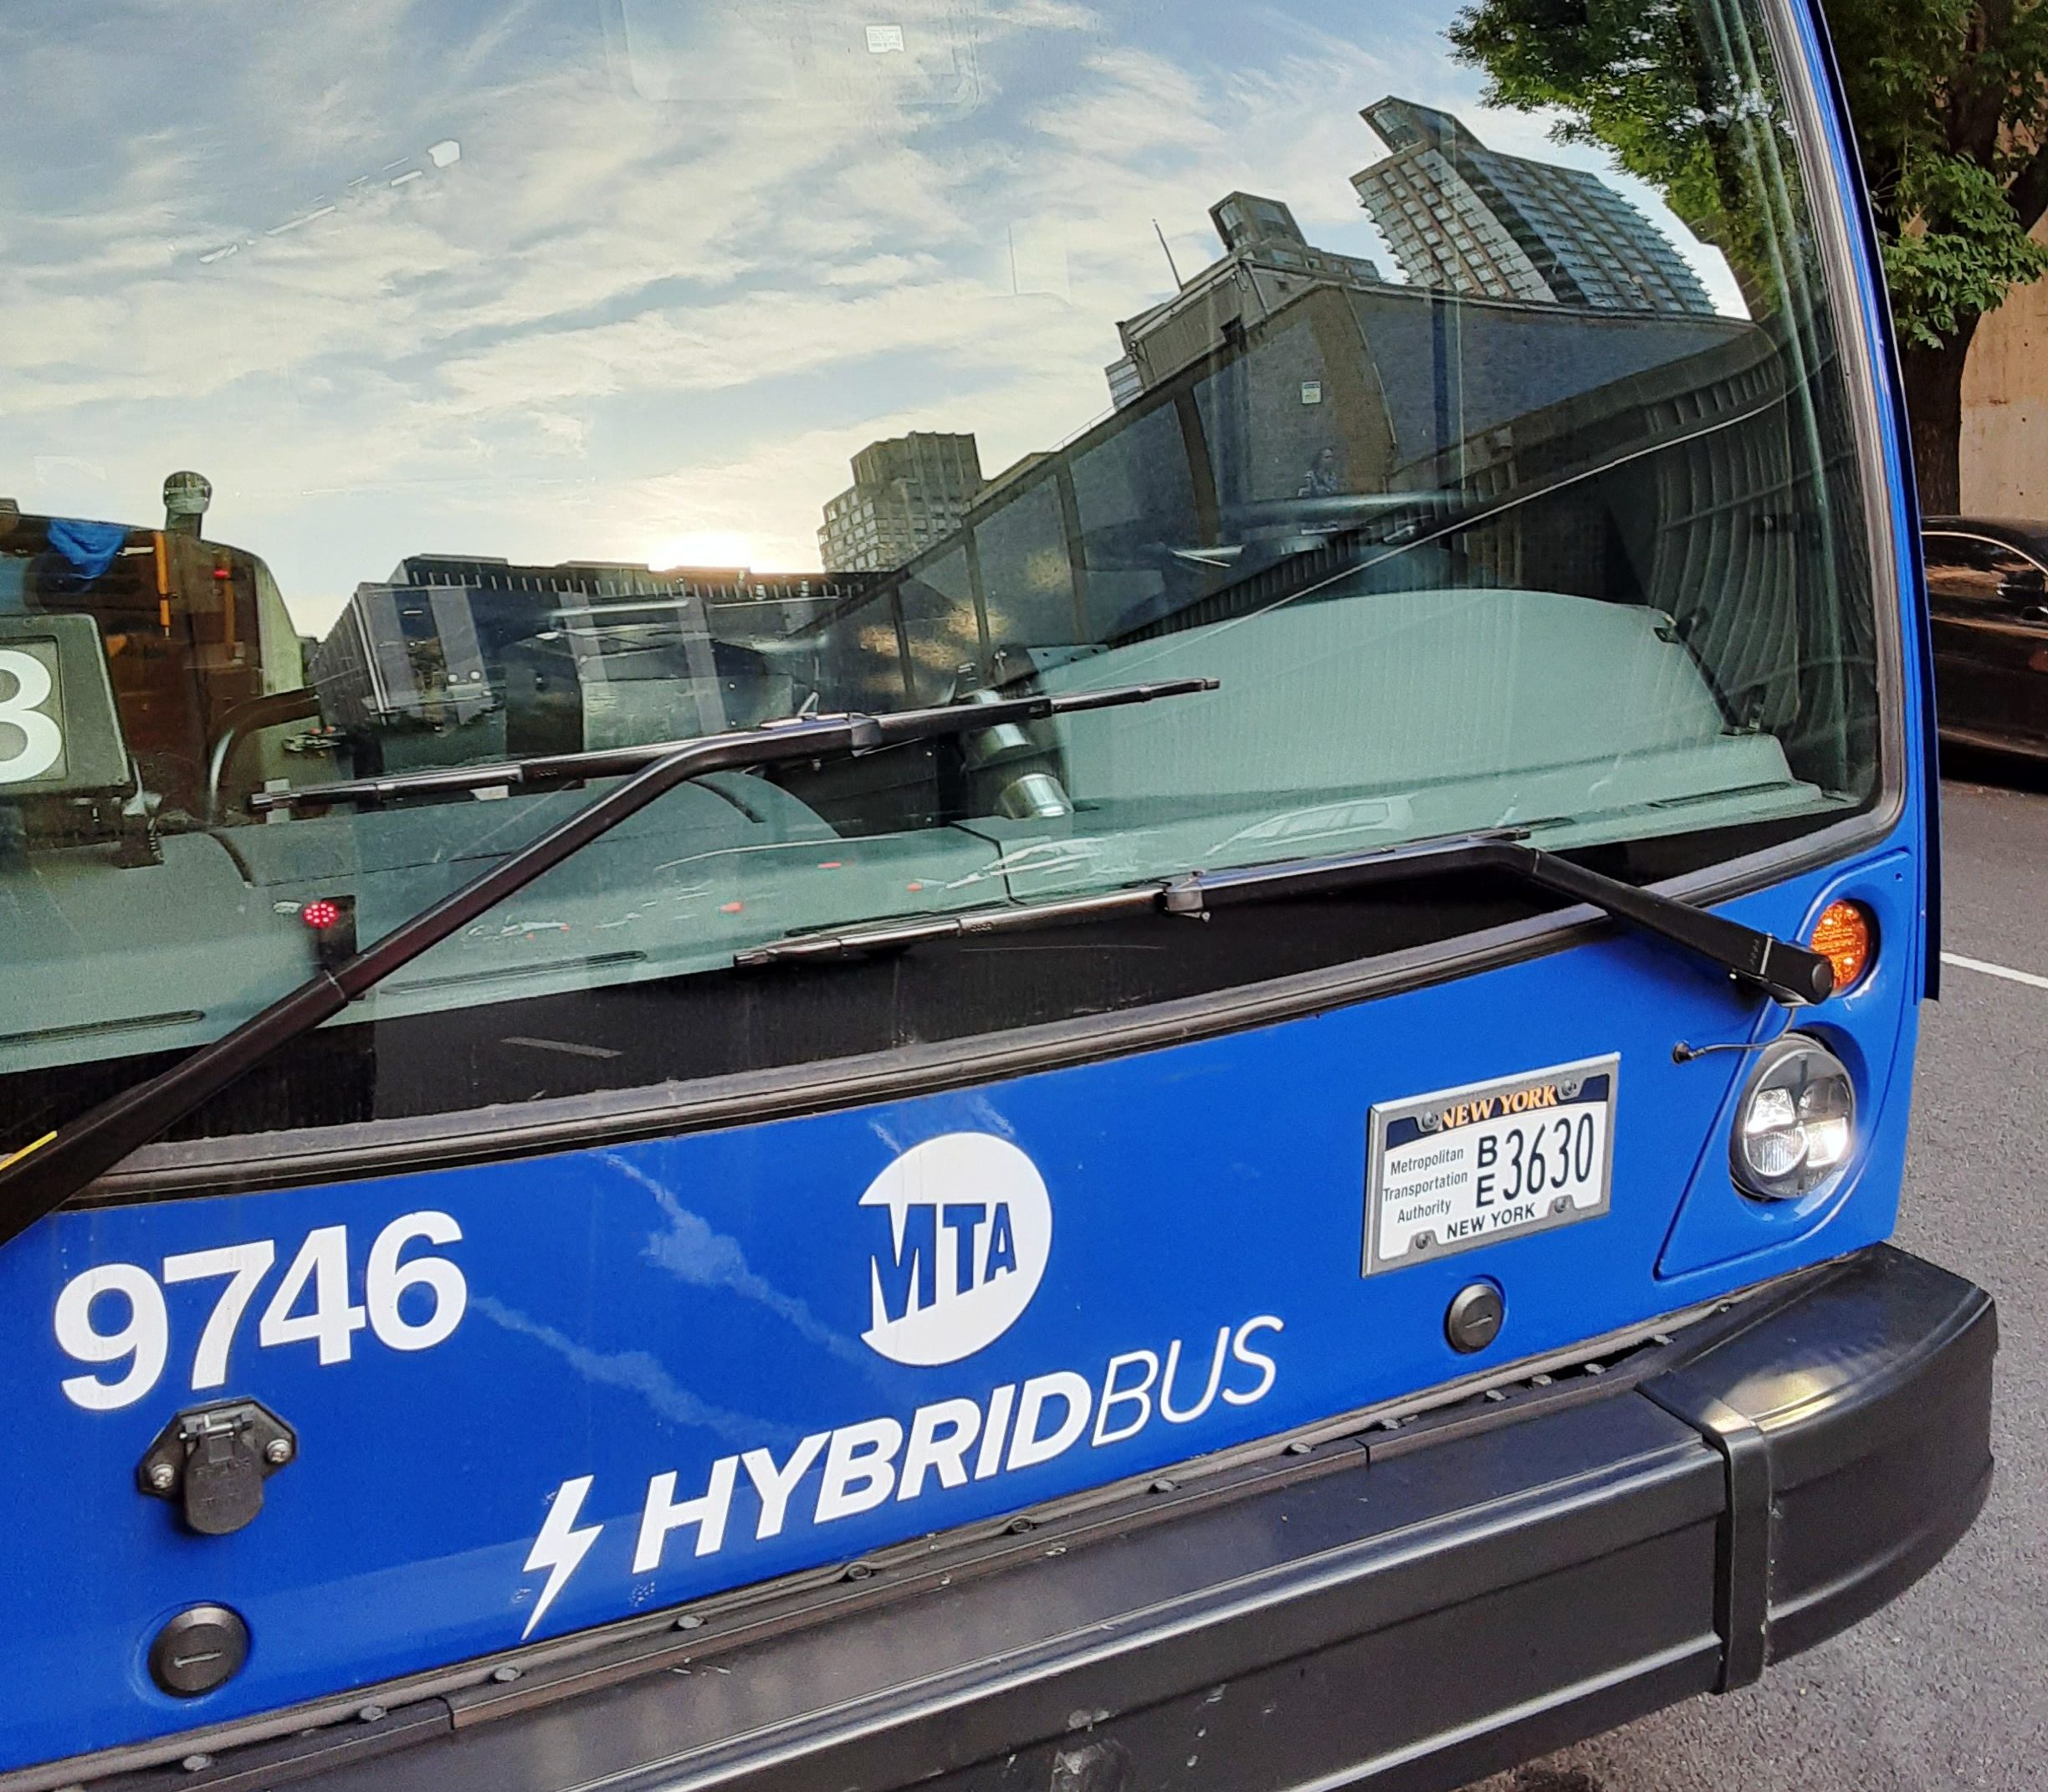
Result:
2005,408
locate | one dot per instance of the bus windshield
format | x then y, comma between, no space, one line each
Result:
1459,397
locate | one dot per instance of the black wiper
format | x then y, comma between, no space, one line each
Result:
1787,973
45,1175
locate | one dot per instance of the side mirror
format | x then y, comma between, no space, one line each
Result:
64,761
60,734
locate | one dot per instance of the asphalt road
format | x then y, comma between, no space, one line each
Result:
1949,1686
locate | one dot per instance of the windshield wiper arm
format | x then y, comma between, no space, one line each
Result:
45,1175
1787,973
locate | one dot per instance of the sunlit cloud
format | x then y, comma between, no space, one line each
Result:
640,289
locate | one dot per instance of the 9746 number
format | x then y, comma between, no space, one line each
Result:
310,1305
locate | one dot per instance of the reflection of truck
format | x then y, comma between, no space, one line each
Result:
198,647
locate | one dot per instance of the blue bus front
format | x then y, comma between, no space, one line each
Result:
1233,1121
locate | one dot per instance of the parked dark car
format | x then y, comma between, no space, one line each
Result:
1988,596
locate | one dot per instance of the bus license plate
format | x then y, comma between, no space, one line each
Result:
1465,1166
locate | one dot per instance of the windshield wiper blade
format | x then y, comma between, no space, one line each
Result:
1785,972
890,728
45,1175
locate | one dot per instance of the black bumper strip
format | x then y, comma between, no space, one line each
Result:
1742,1549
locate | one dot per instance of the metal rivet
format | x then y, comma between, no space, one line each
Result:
504,1676
689,1621
1596,1368
1495,1395
370,1714
197,1764
1299,1447
1541,1382
1163,1486
1661,1337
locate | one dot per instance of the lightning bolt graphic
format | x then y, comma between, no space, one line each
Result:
559,1549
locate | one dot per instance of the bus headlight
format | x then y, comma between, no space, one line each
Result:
1795,1123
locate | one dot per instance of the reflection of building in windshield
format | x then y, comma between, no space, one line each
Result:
908,492
1464,217
452,657
1267,263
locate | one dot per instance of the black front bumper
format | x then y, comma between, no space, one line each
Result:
1412,1606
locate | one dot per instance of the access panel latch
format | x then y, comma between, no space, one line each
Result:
213,1461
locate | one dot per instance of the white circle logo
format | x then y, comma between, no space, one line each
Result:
970,1229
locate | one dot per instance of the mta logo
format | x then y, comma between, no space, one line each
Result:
970,1227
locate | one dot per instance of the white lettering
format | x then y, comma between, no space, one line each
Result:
946,1451
990,1457
1028,1448
859,1468
1268,1369
775,1484
1209,1393
662,1514
1114,1395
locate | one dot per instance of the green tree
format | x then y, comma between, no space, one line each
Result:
1950,99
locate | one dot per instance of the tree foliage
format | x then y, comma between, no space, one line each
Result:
1950,99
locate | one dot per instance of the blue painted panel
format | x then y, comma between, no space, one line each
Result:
667,1308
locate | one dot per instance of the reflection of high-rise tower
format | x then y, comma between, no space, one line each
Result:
1461,217
1268,265
908,492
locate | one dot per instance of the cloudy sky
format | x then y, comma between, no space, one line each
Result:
627,279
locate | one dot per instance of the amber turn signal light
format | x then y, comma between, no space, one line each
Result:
1843,937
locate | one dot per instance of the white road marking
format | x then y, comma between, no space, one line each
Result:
2006,971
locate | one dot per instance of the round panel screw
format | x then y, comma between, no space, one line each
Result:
370,1714
1474,1318
197,1764
859,1571
1019,1526
689,1621
162,1476
504,1676
202,1647
277,1452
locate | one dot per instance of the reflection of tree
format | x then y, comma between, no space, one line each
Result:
1636,80
1950,99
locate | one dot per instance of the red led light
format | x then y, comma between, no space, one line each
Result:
320,915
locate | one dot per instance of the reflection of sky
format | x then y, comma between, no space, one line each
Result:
627,278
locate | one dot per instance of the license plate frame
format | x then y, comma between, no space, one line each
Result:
1429,1146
